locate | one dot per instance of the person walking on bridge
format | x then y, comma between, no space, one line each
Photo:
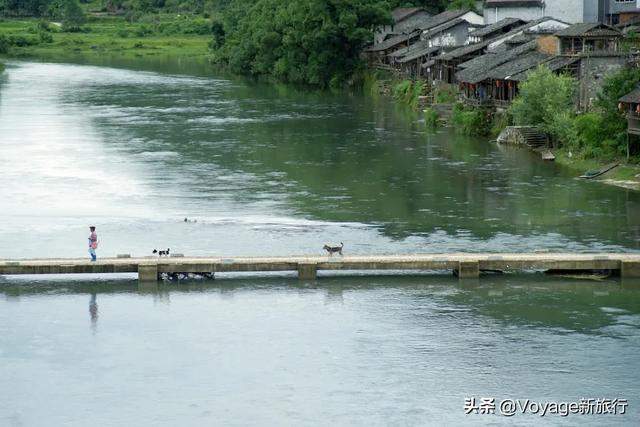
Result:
93,242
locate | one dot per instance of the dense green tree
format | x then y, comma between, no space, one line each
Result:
73,15
433,6
23,7
462,4
217,29
315,42
4,44
613,125
545,100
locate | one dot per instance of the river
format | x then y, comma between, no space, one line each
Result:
273,170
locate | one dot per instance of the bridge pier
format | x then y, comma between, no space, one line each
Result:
468,270
147,273
307,270
630,269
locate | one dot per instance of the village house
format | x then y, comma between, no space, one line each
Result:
494,77
571,11
411,64
405,20
450,34
588,38
385,53
450,28
543,27
630,105
630,26
622,11
598,46
444,67
394,57
406,52
377,55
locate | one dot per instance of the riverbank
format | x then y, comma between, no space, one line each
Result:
625,175
168,35
480,121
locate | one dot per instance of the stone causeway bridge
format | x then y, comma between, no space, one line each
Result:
464,265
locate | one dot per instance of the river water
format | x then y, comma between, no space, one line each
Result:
274,170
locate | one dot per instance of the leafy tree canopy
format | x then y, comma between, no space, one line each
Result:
543,99
72,15
316,42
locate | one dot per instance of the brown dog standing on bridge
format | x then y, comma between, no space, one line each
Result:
333,249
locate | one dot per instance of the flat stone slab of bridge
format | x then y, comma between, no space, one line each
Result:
464,265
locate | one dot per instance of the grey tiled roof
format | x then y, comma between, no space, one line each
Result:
480,68
464,50
523,63
586,29
633,96
401,13
496,27
555,63
391,42
441,18
469,49
421,44
420,52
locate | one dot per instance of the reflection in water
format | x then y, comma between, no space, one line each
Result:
532,300
337,351
334,294
93,311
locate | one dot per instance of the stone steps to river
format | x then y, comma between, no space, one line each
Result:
529,136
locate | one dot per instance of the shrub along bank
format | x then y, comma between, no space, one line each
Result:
408,92
471,121
546,100
584,140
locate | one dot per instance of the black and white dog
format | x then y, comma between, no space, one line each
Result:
333,249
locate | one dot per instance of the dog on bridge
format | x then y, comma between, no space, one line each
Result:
333,249
161,253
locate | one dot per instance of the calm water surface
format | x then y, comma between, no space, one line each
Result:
270,170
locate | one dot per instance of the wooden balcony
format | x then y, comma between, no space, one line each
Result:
633,122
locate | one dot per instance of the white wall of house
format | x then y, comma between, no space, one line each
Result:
455,36
622,7
571,11
528,13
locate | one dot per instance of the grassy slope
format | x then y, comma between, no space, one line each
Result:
104,37
624,172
